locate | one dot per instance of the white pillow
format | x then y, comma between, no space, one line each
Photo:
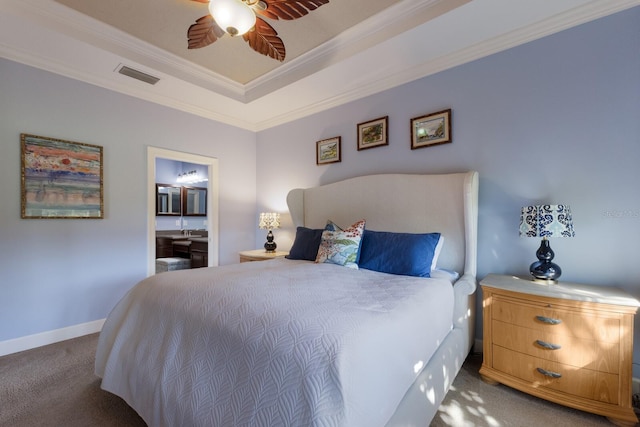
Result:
436,252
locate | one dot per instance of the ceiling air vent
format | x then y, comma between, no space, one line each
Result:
138,75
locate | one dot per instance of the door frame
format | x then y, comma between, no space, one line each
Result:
154,153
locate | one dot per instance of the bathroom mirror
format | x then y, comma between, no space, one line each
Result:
194,201
168,199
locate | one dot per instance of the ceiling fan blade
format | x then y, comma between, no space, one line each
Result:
289,9
264,39
201,1
204,32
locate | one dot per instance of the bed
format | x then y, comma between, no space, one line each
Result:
361,339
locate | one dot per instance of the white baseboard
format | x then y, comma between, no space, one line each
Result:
38,340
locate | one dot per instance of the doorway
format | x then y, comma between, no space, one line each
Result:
154,153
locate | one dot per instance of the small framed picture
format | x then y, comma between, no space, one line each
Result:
373,133
432,129
328,151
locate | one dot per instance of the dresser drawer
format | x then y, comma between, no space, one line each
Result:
593,385
573,351
557,319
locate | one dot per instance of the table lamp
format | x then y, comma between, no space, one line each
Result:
546,221
269,221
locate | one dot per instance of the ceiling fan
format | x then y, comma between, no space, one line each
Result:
238,17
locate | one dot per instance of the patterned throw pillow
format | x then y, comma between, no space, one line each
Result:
341,247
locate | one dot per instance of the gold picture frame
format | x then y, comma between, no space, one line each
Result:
431,129
329,150
373,133
60,179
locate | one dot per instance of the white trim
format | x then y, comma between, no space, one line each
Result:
45,338
396,19
154,153
239,111
535,31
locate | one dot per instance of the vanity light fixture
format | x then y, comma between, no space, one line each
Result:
191,177
546,221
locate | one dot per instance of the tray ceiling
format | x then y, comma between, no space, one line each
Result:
164,23
342,51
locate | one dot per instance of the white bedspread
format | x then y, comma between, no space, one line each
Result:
298,344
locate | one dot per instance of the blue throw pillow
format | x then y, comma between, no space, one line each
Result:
398,253
306,244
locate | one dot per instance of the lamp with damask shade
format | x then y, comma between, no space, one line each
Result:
269,221
546,221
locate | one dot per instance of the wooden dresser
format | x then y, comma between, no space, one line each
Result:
567,343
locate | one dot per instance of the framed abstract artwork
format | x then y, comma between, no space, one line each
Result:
328,151
431,129
60,179
373,133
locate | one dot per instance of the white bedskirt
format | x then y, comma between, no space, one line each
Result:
272,343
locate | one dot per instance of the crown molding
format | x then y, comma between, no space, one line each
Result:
134,90
592,11
58,20
65,20
395,20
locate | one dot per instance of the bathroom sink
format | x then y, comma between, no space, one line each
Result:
179,236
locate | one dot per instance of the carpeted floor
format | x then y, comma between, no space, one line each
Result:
55,386
472,402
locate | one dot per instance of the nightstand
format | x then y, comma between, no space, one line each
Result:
567,343
260,255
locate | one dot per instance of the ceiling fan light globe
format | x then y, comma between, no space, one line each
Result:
233,16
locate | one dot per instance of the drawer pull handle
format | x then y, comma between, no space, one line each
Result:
549,373
548,345
549,320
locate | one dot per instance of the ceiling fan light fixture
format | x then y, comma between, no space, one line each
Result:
233,16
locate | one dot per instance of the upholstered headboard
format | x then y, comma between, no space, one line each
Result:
444,203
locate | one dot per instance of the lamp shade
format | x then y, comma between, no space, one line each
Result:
233,16
269,220
546,221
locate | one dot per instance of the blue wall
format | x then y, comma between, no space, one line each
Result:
61,273
554,121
